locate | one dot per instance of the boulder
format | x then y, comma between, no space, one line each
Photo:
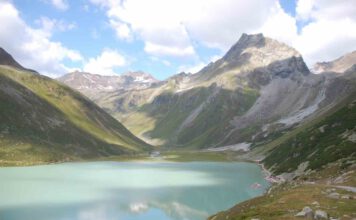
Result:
346,197
306,212
320,214
334,195
315,203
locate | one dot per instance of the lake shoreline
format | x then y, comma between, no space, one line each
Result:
190,175
175,157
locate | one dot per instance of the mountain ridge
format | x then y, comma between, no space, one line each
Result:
258,91
43,121
92,84
253,76
8,60
339,65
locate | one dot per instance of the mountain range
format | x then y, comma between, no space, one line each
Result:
94,85
260,97
259,102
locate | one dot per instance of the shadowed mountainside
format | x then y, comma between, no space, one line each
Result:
44,121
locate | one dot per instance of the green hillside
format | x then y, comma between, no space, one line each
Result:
45,121
209,126
330,139
327,145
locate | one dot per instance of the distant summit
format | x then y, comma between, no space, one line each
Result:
94,84
263,47
253,52
139,77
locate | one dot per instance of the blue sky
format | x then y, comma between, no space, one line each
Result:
108,36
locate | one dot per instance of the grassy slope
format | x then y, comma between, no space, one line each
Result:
44,121
168,111
323,142
213,123
157,113
286,200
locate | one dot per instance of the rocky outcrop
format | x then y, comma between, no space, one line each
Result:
320,214
307,212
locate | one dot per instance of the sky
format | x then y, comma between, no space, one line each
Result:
165,37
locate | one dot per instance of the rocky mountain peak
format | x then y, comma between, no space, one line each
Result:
261,49
258,54
245,41
140,76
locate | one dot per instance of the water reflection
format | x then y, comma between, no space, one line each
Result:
108,190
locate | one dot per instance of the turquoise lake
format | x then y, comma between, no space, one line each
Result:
126,190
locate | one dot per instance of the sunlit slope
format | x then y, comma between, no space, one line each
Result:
43,120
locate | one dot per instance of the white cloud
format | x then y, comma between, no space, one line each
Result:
327,9
160,50
192,68
279,25
159,60
198,66
330,33
326,40
105,63
166,63
60,4
162,24
219,24
122,30
50,25
170,28
33,48
304,9
174,29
